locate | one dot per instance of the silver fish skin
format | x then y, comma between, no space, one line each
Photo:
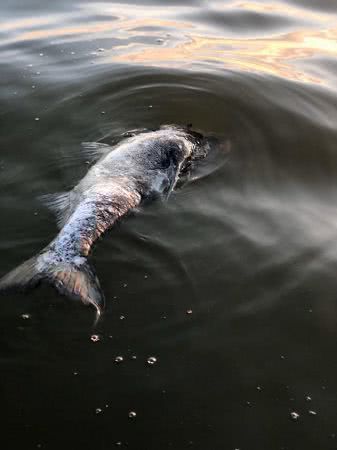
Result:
139,167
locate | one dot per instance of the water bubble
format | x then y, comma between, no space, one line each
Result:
98,410
41,54
151,360
282,357
134,357
33,87
37,119
75,373
312,413
95,338
25,316
119,359
29,65
103,112
118,443
258,388
72,53
294,415
146,276
132,414
38,73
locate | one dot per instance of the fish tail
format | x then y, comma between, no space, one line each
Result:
74,278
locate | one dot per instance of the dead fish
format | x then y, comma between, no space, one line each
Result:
140,167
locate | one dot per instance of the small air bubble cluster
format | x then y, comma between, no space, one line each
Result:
294,415
119,359
25,316
151,360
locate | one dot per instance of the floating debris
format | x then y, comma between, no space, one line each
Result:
132,414
189,311
159,41
95,338
125,285
98,410
37,119
119,359
41,54
151,360
312,413
75,373
146,276
134,357
308,398
103,112
118,443
122,317
258,388
294,415
101,50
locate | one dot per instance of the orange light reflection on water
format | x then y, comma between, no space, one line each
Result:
275,55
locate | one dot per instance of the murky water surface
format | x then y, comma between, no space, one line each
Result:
221,322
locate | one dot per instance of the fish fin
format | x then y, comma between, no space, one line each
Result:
75,279
93,151
59,204
22,277
78,282
135,132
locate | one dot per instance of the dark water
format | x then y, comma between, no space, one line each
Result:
249,246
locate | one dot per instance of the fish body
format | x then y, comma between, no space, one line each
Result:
138,168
